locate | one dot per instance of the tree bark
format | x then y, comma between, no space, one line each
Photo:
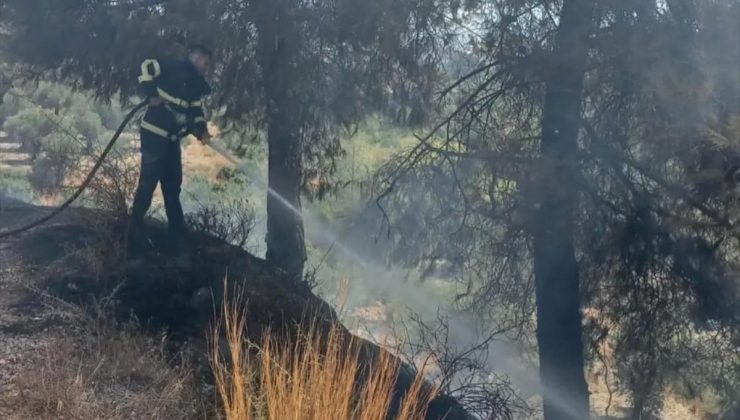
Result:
278,49
559,329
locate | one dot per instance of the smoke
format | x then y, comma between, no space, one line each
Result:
378,281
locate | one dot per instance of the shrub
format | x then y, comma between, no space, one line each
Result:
51,168
14,183
231,221
28,127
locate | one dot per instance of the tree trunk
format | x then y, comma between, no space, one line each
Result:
278,43
285,240
559,330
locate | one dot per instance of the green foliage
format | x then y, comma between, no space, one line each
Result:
15,184
57,127
29,126
10,106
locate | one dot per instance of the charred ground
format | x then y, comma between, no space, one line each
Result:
79,263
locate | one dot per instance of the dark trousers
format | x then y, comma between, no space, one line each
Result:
161,163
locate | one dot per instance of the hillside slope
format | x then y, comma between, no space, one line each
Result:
77,259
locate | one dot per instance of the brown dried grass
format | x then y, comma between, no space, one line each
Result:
318,376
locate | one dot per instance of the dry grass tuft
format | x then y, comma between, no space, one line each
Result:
316,377
108,373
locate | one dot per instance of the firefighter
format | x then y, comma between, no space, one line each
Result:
174,89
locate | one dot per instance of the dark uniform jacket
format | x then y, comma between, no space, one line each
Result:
181,88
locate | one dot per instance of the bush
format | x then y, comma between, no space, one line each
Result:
231,221
28,127
14,183
88,126
9,105
115,183
58,159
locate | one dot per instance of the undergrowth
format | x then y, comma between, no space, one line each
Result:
109,372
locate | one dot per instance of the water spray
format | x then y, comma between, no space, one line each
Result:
523,374
327,235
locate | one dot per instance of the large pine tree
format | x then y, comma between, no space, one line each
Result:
592,155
